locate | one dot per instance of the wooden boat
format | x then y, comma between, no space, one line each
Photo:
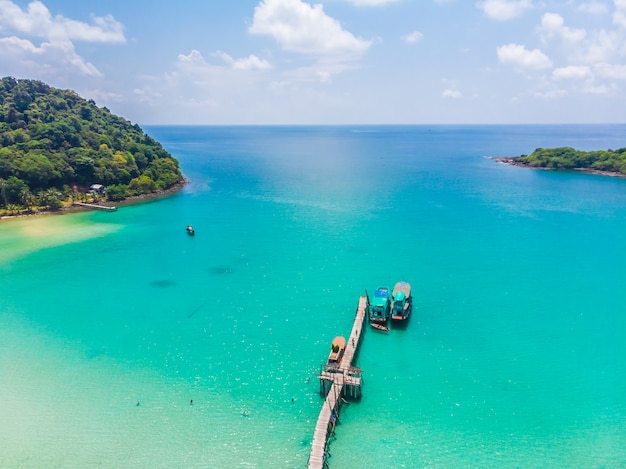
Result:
190,230
402,301
380,327
337,347
381,306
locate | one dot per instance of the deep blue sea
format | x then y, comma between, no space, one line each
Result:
126,343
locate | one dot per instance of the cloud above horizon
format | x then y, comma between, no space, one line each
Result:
619,16
502,10
413,37
325,60
37,21
33,59
553,25
518,55
57,51
371,3
299,27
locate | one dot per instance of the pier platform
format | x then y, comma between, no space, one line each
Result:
337,382
107,208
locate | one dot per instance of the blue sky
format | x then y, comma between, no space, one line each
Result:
327,62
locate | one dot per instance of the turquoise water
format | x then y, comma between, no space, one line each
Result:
111,323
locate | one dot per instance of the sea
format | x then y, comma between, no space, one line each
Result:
126,343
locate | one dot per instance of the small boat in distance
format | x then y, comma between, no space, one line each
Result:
381,306
190,230
402,301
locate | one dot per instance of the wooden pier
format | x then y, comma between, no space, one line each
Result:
97,207
340,381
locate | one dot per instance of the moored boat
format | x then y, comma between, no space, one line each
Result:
402,301
337,347
380,307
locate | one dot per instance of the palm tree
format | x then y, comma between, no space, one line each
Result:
13,209
27,199
3,192
43,198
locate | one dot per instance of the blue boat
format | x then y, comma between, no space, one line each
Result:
402,301
380,307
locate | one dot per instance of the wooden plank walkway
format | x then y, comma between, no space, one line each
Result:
347,375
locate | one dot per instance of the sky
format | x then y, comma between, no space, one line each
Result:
330,62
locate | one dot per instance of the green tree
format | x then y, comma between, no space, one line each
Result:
117,192
13,187
3,193
51,137
50,199
27,199
141,185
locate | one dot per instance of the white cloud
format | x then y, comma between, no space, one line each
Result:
27,59
451,93
324,77
37,21
591,88
571,72
550,94
518,55
413,37
503,10
593,8
252,62
552,25
300,27
56,56
370,3
601,47
616,72
619,16
194,57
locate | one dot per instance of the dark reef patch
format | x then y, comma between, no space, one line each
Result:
163,283
220,270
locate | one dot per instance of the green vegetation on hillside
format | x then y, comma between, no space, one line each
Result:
55,144
568,158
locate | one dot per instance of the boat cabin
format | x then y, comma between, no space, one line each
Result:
381,305
402,301
337,347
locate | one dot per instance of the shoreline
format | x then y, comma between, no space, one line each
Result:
132,200
514,161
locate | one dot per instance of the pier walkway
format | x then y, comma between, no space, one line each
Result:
346,378
108,208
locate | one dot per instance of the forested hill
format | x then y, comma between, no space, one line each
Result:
54,139
611,161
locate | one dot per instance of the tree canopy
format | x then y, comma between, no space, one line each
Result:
52,139
568,158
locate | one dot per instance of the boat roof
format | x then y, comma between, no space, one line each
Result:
380,301
381,292
404,287
340,341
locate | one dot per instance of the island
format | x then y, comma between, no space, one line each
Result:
57,149
604,162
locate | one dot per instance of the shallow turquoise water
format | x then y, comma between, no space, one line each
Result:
514,356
